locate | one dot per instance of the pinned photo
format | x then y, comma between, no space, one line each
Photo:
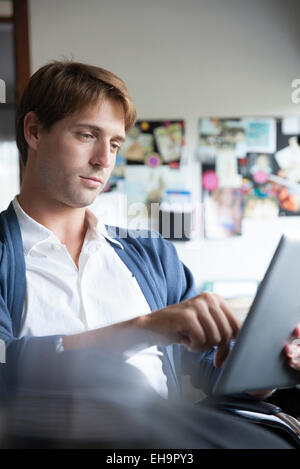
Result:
260,135
223,211
169,141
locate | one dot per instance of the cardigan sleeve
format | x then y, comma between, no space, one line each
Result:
20,354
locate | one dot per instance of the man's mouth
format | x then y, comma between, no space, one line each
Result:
92,181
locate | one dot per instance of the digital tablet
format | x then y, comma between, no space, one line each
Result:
257,360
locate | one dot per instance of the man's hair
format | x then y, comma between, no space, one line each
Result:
61,88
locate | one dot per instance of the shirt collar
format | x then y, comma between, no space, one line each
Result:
34,233
99,228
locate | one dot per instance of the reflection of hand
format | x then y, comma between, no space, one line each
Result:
292,350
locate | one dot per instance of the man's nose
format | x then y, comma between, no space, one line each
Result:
102,155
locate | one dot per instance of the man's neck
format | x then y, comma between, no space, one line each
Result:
67,223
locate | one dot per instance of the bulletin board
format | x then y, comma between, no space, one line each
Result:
154,143
250,169
152,150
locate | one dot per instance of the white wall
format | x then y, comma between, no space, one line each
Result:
187,59
237,259
180,57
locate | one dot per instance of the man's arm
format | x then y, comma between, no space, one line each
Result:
197,323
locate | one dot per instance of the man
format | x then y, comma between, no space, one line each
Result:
70,124
70,283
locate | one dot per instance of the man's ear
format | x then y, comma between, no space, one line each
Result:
32,130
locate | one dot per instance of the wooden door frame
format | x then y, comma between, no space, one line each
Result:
21,38
20,22
6,19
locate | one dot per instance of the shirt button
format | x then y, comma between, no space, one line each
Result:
56,246
92,249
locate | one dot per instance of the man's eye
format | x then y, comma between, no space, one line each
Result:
86,136
115,147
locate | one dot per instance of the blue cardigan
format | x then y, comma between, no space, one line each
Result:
162,277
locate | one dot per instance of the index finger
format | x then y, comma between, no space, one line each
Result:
234,322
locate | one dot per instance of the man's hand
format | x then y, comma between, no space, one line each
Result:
292,350
198,323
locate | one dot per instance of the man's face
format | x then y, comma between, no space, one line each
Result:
75,158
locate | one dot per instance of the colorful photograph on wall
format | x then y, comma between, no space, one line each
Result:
168,140
216,134
147,186
260,207
260,135
223,212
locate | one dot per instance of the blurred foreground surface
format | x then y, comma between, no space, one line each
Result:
86,399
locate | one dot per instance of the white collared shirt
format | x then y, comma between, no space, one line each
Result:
63,299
